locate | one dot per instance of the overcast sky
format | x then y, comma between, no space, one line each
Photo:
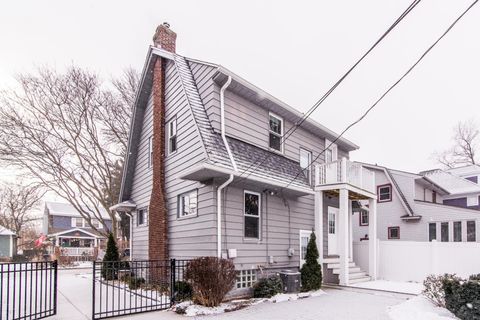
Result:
294,50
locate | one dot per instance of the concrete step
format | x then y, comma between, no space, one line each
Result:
350,270
357,275
358,280
336,265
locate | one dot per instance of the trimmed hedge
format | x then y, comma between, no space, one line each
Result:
462,298
268,287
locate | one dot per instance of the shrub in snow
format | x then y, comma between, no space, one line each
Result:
268,287
183,291
311,271
462,298
211,279
474,277
111,260
433,288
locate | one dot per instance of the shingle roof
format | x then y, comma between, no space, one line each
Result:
6,232
66,209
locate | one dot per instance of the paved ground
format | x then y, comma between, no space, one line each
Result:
74,303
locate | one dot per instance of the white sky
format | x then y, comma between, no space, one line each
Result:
294,50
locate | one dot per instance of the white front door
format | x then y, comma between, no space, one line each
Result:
304,238
332,230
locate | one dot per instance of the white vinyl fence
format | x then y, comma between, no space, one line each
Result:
413,261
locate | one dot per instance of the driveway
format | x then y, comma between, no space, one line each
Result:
75,289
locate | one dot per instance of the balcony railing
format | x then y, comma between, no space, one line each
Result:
77,251
345,171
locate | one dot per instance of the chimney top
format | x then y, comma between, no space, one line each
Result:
165,38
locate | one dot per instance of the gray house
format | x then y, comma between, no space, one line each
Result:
8,242
437,205
215,168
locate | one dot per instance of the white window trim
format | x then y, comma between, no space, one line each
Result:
271,114
360,218
150,152
249,215
187,216
309,170
389,186
303,233
333,148
172,120
145,217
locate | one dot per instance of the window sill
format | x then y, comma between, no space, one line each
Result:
252,240
187,217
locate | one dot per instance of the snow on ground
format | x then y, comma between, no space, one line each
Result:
79,265
418,308
394,286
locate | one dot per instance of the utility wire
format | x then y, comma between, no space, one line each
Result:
320,101
425,53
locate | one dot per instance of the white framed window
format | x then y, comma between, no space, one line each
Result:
363,218
172,135
384,193
150,152
78,222
251,210
246,278
331,151
444,233
471,231
305,163
331,223
97,224
432,231
275,132
457,231
304,239
187,204
142,216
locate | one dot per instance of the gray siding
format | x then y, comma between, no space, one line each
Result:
5,246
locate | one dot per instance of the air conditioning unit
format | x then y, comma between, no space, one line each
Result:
291,281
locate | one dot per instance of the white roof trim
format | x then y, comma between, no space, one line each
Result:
73,230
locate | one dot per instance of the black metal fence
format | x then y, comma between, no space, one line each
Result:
128,287
28,290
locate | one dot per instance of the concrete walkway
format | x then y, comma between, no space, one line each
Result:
75,289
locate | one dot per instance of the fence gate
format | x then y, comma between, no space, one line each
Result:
28,290
128,287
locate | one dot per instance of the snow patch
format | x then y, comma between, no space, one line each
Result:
394,286
418,308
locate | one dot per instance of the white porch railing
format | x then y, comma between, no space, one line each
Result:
76,251
345,171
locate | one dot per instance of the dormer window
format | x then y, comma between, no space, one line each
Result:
172,135
276,132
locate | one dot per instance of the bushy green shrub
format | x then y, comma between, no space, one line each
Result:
135,283
462,298
433,288
268,287
111,260
183,291
211,279
311,271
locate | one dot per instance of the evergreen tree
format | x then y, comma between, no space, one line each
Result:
311,271
111,260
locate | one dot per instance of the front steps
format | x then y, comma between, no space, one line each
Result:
355,274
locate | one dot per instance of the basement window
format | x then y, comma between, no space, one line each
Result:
187,204
276,132
384,193
172,135
394,233
246,279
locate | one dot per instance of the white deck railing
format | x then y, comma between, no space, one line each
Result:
74,251
345,171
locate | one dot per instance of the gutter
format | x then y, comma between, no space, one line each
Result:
230,178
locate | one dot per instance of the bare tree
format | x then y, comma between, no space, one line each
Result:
16,204
68,132
466,144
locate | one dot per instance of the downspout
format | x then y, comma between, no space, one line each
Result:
230,178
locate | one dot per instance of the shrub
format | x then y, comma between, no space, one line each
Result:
183,291
111,260
311,271
474,277
462,298
135,283
268,287
434,288
211,279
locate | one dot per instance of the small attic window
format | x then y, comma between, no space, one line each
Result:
276,133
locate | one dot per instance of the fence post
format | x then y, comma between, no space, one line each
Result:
55,286
93,289
172,281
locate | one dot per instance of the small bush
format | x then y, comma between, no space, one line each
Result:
462,298
183,291
111,260
268,287
434,288
474,277
211,279
311,271
135,283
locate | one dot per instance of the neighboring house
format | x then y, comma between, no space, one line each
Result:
64,225
210,172
417,207
8,242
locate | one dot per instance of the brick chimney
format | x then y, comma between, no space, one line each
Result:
164,37
158,212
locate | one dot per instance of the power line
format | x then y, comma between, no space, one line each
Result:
320,101
389,89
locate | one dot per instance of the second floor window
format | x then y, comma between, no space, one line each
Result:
384,193
172,136
150,152
305,163
187,204
142,216
276,132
